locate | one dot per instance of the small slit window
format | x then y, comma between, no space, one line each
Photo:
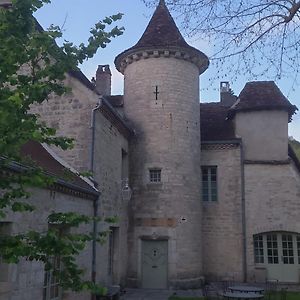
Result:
155,175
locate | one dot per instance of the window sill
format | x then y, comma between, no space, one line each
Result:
154,185
260,267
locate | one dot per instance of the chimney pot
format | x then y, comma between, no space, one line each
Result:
226,94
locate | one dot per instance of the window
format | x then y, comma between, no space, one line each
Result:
155,175
5,230
287,249
298,248
209,183
258,249
52,288
272,248
113,246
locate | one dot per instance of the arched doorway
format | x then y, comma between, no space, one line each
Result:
279,252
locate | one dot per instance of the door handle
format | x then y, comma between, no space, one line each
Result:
154,267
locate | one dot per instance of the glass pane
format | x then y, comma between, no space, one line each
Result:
287,249
272,249
258,249
214,197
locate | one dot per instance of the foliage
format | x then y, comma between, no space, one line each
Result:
258,37
296,146
32,69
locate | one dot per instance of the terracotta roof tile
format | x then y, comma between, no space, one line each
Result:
162,32
36,153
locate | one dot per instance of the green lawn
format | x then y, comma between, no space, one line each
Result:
290,296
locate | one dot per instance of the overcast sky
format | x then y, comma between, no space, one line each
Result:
78,16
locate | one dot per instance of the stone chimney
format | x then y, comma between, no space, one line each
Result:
103,80
226,94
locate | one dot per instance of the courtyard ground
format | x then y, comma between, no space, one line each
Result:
141,294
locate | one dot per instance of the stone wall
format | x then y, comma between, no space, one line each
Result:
264,134
70,115
272,203
167,138
222,219
110,169
25,280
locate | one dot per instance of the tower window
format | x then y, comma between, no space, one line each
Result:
209,183
156,92
155,175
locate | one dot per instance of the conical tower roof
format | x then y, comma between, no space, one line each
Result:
163,34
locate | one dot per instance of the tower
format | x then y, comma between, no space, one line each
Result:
161,99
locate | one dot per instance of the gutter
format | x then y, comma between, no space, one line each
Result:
99,103
96,201
17,167
244,226
94,245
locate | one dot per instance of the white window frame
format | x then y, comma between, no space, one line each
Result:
51,282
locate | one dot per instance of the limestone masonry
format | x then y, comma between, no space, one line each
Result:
201,191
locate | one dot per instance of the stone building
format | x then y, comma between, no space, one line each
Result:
201,190
28,280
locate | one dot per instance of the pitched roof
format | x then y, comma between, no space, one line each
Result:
36,153
109,111
214,123
162,32
262,95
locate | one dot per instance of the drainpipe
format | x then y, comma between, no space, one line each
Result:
96,201
94,245
243,213
93,135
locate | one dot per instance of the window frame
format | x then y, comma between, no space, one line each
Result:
155,175
5,230
258,247
212,185
50,280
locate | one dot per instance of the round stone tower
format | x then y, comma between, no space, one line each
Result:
161,100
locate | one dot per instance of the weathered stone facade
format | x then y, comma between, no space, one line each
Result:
223,218
70,115
25,281
165,228
111,174
167,128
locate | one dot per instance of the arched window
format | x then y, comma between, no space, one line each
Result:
279,252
